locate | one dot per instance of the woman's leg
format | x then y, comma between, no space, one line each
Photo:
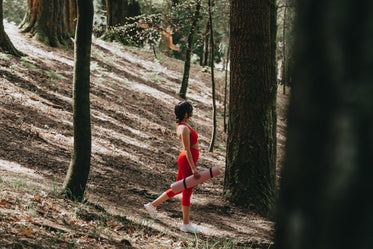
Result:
185,204
187,193
162,198
186,210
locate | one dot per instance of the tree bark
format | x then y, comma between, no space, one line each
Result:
206,42
117,14
118,10
250,178
77,175
213,135
50,21
284,67
274,86
326,180
6,46
226,87
184,83
163,44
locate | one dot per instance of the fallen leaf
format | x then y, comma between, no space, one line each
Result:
37,198
27,231
112,224
84,238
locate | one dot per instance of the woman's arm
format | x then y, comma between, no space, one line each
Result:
185,139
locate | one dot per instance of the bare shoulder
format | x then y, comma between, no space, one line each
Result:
183,129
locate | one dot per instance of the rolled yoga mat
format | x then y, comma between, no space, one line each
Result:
191,181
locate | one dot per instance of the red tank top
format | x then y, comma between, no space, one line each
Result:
193,134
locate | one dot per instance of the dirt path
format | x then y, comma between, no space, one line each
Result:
134,142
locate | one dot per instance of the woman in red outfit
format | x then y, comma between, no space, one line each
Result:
187,165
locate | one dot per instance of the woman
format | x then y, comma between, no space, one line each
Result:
187,165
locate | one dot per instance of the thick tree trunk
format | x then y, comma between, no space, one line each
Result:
326,184
250,178
184,83
50,21
76,178
117,14
119,10
6,46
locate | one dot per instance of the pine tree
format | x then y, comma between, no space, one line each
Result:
250,178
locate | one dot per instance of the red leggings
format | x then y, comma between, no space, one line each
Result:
184,171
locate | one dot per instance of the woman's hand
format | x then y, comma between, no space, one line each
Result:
196,173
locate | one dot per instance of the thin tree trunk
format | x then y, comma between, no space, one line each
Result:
77,175
72,14
6,46
284,69
225,88
273,91
206,42
211,147
184,83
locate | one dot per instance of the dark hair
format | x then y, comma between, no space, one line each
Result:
181,108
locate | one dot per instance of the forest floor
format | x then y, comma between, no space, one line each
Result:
134,151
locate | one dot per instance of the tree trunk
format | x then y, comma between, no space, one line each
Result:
211,147
117,14
184,83
71,10
50,21
206,42
6,46
274,85
326,181
77,175
118,10
284,67
250,178
163,44
226,87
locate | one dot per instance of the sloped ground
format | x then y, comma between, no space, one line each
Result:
133,155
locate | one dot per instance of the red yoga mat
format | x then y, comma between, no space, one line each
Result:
191,181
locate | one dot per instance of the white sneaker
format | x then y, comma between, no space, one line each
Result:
151,210
189,228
